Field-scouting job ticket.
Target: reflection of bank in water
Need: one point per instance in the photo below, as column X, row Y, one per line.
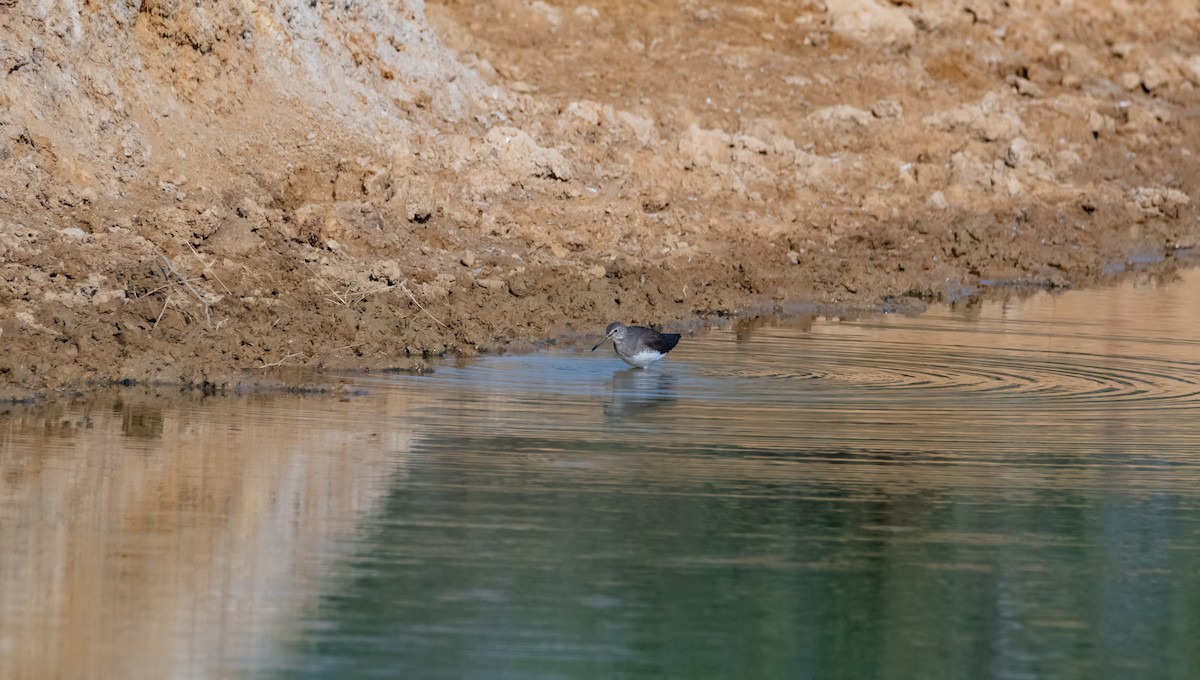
column 161, row 511
column 635, row 392
column 140, row 421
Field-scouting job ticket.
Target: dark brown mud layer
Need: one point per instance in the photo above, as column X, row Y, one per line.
column 193, row 193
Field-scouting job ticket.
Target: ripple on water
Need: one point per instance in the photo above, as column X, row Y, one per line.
column 984, row 378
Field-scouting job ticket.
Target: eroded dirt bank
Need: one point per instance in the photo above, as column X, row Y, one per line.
column 188, row 192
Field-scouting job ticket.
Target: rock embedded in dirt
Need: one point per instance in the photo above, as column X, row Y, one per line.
column 491, row 284
column 1130, row 80
column 887, row 108
column 1190, row 68
column 870, row 22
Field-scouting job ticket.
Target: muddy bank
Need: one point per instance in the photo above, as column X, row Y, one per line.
column 192, row 193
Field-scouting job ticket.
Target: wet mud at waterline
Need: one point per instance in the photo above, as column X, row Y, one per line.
column 199, row 194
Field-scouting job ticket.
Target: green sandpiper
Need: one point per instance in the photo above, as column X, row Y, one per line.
column 638, row 346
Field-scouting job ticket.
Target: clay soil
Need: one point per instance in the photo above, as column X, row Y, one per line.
column 195, row 192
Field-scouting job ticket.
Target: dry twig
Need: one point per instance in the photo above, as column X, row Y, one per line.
column 419, row 305
column 321, row 279
column 170, row 270
column 208, row 268
column 164, row 311
column 349, row 298
column 280, row 362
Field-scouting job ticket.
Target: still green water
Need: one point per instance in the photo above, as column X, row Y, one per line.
column 1007, row 490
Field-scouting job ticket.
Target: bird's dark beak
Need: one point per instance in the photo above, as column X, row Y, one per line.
column 602, row 341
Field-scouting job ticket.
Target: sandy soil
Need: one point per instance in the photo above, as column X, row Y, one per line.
column 191, row 193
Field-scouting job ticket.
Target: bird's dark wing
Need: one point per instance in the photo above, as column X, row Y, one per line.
column 663, row 342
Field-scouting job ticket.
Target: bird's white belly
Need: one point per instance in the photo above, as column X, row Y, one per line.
column 642, row 358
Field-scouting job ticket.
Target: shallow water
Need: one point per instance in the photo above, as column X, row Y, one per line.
column 1009, row 490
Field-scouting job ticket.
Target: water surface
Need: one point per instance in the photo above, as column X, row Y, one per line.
column 1003, row 490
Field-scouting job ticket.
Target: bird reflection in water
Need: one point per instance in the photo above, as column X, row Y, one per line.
column 637, row 392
